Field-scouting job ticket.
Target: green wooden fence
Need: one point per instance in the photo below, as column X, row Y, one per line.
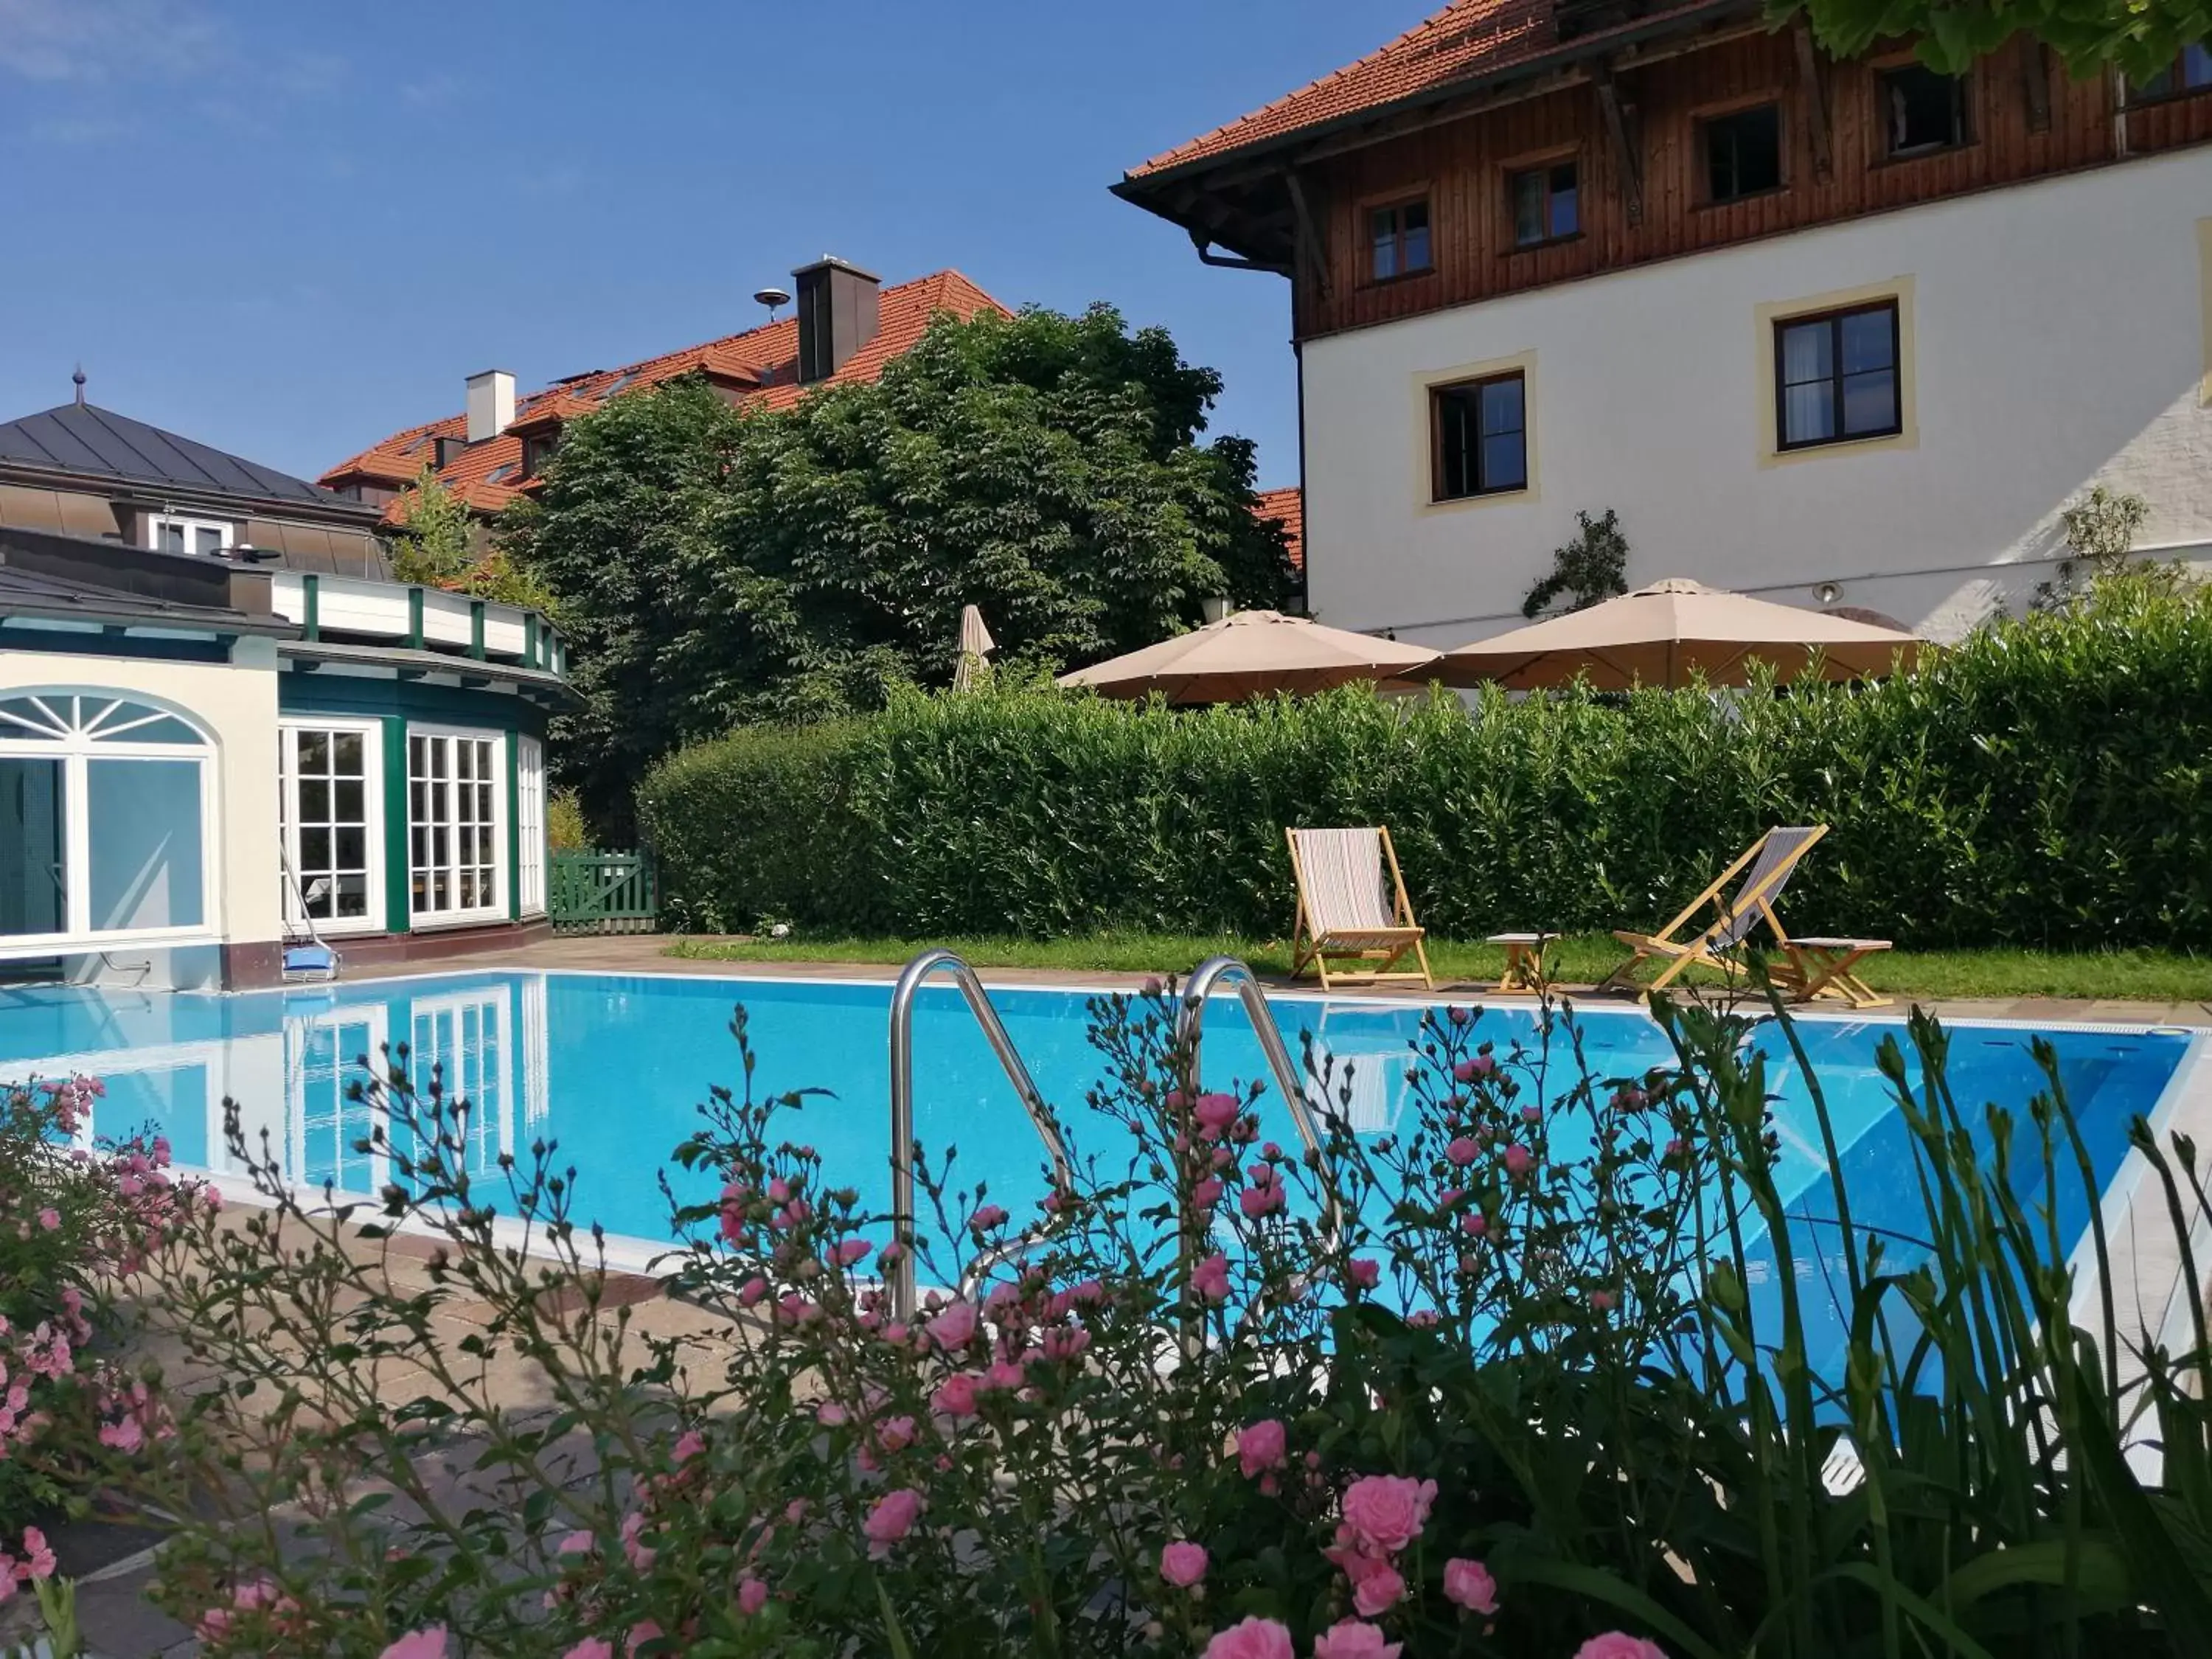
column 599, row 892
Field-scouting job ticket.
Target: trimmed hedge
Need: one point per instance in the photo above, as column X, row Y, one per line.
column 2047, row 782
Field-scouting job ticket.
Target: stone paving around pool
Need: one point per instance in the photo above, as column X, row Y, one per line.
column 647, row 953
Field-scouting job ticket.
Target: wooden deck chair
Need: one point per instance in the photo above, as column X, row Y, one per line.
column 1351, row 908
column 1812, row 967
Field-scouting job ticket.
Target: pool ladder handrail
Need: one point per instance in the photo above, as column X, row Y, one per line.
column 900, row 1280
column 1190, row 1029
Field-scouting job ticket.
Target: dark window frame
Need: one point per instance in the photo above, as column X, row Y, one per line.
column 1547, row 171
column 1396, row 206
column 1705, row 123
column 1834, row 318
column 1472, row 390
column 537, row 449
column 1962, row 93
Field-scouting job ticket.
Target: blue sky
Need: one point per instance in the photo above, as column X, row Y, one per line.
column 289, row 228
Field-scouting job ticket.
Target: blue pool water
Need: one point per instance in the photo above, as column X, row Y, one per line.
column 613, row 1068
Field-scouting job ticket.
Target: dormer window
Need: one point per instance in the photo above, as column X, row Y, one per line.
column 537, row 449
column 168, row 532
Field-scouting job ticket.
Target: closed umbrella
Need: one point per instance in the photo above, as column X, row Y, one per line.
column 1252, row 654
column 976, row 644
column 1665, row 634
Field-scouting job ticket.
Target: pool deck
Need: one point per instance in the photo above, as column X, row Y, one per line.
column 645, row 953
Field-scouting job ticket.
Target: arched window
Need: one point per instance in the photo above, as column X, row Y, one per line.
column 105, row 830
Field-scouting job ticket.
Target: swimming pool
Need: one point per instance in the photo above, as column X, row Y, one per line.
column 612, row 1068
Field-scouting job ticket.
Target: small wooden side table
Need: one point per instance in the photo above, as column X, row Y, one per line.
column 1525, row 969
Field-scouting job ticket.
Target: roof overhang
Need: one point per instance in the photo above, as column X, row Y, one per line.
column 537, row 684
column 1240, row 198
column 219, row 503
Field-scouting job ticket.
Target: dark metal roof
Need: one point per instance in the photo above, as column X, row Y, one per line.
column 32, row 593
column 85, row 438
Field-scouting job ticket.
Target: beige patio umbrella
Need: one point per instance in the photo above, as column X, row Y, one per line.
column 1252, row 654
column 976, row 644
column 1663, row 633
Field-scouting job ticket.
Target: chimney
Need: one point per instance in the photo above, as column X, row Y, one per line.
column 491, row 404
column 837, row 315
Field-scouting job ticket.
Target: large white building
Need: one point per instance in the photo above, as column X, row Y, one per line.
column 1840, row 334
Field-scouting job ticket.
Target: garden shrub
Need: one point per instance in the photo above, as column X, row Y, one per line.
column 1544, row 1388
column 2043, row 783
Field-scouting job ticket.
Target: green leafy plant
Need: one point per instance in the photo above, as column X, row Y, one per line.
column 1562, row 1358
column 716, row 566
column 2141, row 39
column 440, row 543
column 1591, row 568
column 2011, row 791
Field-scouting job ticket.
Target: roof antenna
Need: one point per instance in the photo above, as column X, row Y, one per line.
column 78, row 379
column 773, row 298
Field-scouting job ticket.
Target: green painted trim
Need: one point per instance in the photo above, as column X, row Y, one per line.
column 476, row 629
column 311, row 589
column 414, row 619
column 529, row 639
column 514, row 827
column 398, row 919
column 349, row 693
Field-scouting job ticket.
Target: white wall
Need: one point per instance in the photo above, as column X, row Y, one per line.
column 2059, row 337
column 235, row 703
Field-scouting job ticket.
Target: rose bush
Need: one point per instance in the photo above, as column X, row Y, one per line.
column 76, row 1220
column 1526, row 1376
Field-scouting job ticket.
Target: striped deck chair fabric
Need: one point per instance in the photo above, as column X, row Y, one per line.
column 1353, row 909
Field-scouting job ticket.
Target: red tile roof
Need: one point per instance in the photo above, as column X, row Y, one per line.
column 1466, row 39
column 1287, row 507
column 487, row 476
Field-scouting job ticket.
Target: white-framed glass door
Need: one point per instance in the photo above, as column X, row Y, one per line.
column 456, row 825
column 530, row 825
column 107, row 825
column 332, row 802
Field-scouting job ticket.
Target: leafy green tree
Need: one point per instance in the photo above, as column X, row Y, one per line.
column 2140, row 37
column 716, row 566
column 439, row 544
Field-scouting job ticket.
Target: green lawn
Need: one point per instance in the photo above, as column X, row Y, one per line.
column 2137, row 975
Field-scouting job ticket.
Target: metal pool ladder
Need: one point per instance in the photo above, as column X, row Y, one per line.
column 910, row 979
column 1214, row 973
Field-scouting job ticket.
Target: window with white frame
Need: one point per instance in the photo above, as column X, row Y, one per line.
column 332, row 820
column 107, row 831
column 169, row 532
column 456, row 820
column 530, row 825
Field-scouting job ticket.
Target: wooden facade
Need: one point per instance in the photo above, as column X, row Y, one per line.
column 1641, row 165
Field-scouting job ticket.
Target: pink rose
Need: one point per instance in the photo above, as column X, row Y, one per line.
column 1215, row 1112
column 1518, row 1159
column 590, row 1648
column 891, row 1519
column 1182, row 1564
column 689, row 1445
column 50, row 1219
column 1474, row 1066
column 1602, row 1301
column 852, row 1251
column 753, row 1596
column 955, row 1327
column 1256, row 1201
column 1386, row 1512
column 1209, row 1280
column 955, row 1397
column 418, row 1645
column 640, row 1634
column 1351, row 1639
column 1206, row 1195
column 1260, row 1447
column 990, row 1216
column 1462, row 1151
column 1619, row 1644
column 1366, row 1271
column 1468, row 1584
column 38, row 1557
column 1251, row 1638
column 1377, row 1590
